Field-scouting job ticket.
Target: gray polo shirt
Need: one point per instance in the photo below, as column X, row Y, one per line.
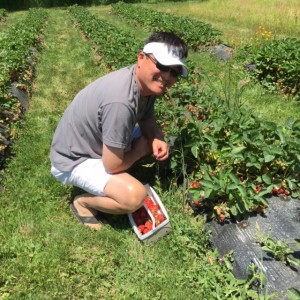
column 104, row 112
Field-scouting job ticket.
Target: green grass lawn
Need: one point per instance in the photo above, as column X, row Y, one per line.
column 46, row 254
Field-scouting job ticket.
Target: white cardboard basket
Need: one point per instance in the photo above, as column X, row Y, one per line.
column 158, row 231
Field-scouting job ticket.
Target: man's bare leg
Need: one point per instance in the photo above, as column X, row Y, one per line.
column 124, row 194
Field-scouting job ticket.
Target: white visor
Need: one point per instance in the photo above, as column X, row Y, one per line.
column 168, row 56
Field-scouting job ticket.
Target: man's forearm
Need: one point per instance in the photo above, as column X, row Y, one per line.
column 130, row 157
column 150, row 130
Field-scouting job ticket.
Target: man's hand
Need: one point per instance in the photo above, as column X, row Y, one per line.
column 160, row 149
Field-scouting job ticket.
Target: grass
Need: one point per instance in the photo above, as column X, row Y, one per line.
column 230, row 77
column 239, row 19
column 45, row 253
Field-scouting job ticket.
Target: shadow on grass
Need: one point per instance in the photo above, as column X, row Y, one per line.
column 118, row 222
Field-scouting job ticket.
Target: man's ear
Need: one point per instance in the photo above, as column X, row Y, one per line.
column 140, row 58
column 141, row 55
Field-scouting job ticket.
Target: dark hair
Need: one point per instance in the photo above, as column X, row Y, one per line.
column 171, row 39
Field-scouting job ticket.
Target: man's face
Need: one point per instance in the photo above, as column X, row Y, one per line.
column 151, row 80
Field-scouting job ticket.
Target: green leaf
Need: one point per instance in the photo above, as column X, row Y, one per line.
column 246, row 204
column 293, row 294
column 271, row 126
column 231, row 186
column 233, row 210
column 209, row 184
column 267, row 179
column 234, row 178
column 263, row 200
column 252, row 294
column 207, row 193
column 292, row 185
column 268, row 157
column 296, row 125
column 242, row 191
column 195, row 150
column 239, row 208
column 293, row 261
column 281, row 135
column 173, row 164
column 238, row 150
column 206, row 176
column 252, row 164
column 289, row 122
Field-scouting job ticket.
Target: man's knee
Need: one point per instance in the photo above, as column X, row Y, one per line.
column 136, row 197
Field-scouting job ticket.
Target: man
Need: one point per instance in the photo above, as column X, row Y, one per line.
column 97, row 139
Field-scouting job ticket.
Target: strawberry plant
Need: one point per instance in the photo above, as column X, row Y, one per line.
column 111, row 42
column 16, row 65
column 277, row 66
column 3, row 14
column 237, row 157
column 278, row 249
column 195, row 33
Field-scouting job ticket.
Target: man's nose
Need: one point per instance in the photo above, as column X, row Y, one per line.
column 166, row 74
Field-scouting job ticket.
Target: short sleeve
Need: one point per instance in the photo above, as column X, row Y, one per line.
column 116, row 121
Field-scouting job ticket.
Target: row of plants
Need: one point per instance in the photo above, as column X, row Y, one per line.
column 26, row 4
column 197, row 34
column 277, row 65
column 102, row 33
column 236, row 158
column 3, row 14
column 17, row 59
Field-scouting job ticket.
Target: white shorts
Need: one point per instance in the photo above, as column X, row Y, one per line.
column 90, row 175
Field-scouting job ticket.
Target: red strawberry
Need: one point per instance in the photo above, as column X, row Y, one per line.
column 258, row 188
column 161, row 218
column 146, row 230
column 197, row 203
column 221, row 218
column 195, row 184
column 148, row 225
column 141, row 228
column 148, row 201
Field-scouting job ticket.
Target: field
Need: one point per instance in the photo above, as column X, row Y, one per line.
column 240, row 19
column 46, row 254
